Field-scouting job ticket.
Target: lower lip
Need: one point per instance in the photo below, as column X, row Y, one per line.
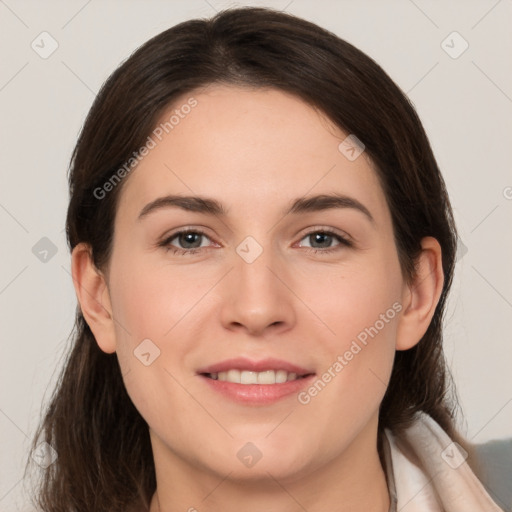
column 258, row 394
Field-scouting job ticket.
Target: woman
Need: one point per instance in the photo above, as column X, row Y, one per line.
column 262, row 247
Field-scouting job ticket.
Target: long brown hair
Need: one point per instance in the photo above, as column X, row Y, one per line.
column 104, row 459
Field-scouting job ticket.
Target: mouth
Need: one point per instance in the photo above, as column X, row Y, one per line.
column 265, row 378
column 256, row 382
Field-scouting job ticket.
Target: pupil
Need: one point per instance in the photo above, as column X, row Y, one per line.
column 186, row 239
column 322, row 237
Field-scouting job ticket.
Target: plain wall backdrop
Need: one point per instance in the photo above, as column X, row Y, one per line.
column 451, row 58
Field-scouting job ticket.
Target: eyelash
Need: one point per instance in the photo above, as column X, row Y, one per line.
column 343, row 242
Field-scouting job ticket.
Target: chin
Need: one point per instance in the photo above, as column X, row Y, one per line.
column 263, row 458
column 284, row 468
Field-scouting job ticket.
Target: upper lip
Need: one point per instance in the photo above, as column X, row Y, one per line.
column 242, row 363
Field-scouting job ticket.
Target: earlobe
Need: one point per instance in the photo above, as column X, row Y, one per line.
column 420, row 298
column 93, row 295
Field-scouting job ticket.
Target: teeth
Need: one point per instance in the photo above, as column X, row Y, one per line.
column 248, row 377
column 281, row 376
column 268, row 377
column 232, row 376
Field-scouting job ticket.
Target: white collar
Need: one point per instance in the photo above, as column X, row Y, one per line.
column 427, row 472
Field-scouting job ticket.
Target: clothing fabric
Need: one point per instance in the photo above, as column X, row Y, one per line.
column 427, row 472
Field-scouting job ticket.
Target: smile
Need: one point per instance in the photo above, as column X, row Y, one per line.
column 252, row 383
column 248, row 377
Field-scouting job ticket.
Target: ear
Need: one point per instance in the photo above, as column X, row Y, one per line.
column 93, row 295
column 420, row 297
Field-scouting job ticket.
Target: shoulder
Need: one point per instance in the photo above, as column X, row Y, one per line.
column 429, row 467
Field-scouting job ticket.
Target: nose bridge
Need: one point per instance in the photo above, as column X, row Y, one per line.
column 255, row 295
column 253, row 271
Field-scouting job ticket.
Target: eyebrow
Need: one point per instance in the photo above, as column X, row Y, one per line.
column 213, row 207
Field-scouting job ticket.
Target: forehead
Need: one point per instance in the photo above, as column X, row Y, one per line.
column 248, row 148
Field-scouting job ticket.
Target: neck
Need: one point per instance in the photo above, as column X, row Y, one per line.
column 355, row 481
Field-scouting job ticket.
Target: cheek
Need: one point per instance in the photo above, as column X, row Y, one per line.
column 150, row 299
column 359, row 301
column 361, row 308
column 156, row 309
column 154, row 312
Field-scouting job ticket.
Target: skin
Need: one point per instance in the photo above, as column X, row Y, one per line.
column 256, row 151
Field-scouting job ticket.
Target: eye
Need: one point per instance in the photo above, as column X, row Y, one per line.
column 189, row 241
column 321, row 241
column 192, row 241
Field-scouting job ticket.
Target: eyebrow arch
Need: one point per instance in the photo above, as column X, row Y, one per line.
column 188, row 203
column 327, row 202
column 213, row 207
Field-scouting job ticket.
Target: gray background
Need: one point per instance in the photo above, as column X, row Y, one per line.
column 465, row 104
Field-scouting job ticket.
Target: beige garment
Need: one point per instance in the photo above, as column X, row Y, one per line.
column 427, row 472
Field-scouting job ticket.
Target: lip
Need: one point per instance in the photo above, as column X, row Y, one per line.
column 256, row 394
column 243, row 363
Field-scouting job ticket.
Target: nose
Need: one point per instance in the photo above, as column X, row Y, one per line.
column 257, row 297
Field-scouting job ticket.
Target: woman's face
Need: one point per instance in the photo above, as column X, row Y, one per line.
column 290, row 272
